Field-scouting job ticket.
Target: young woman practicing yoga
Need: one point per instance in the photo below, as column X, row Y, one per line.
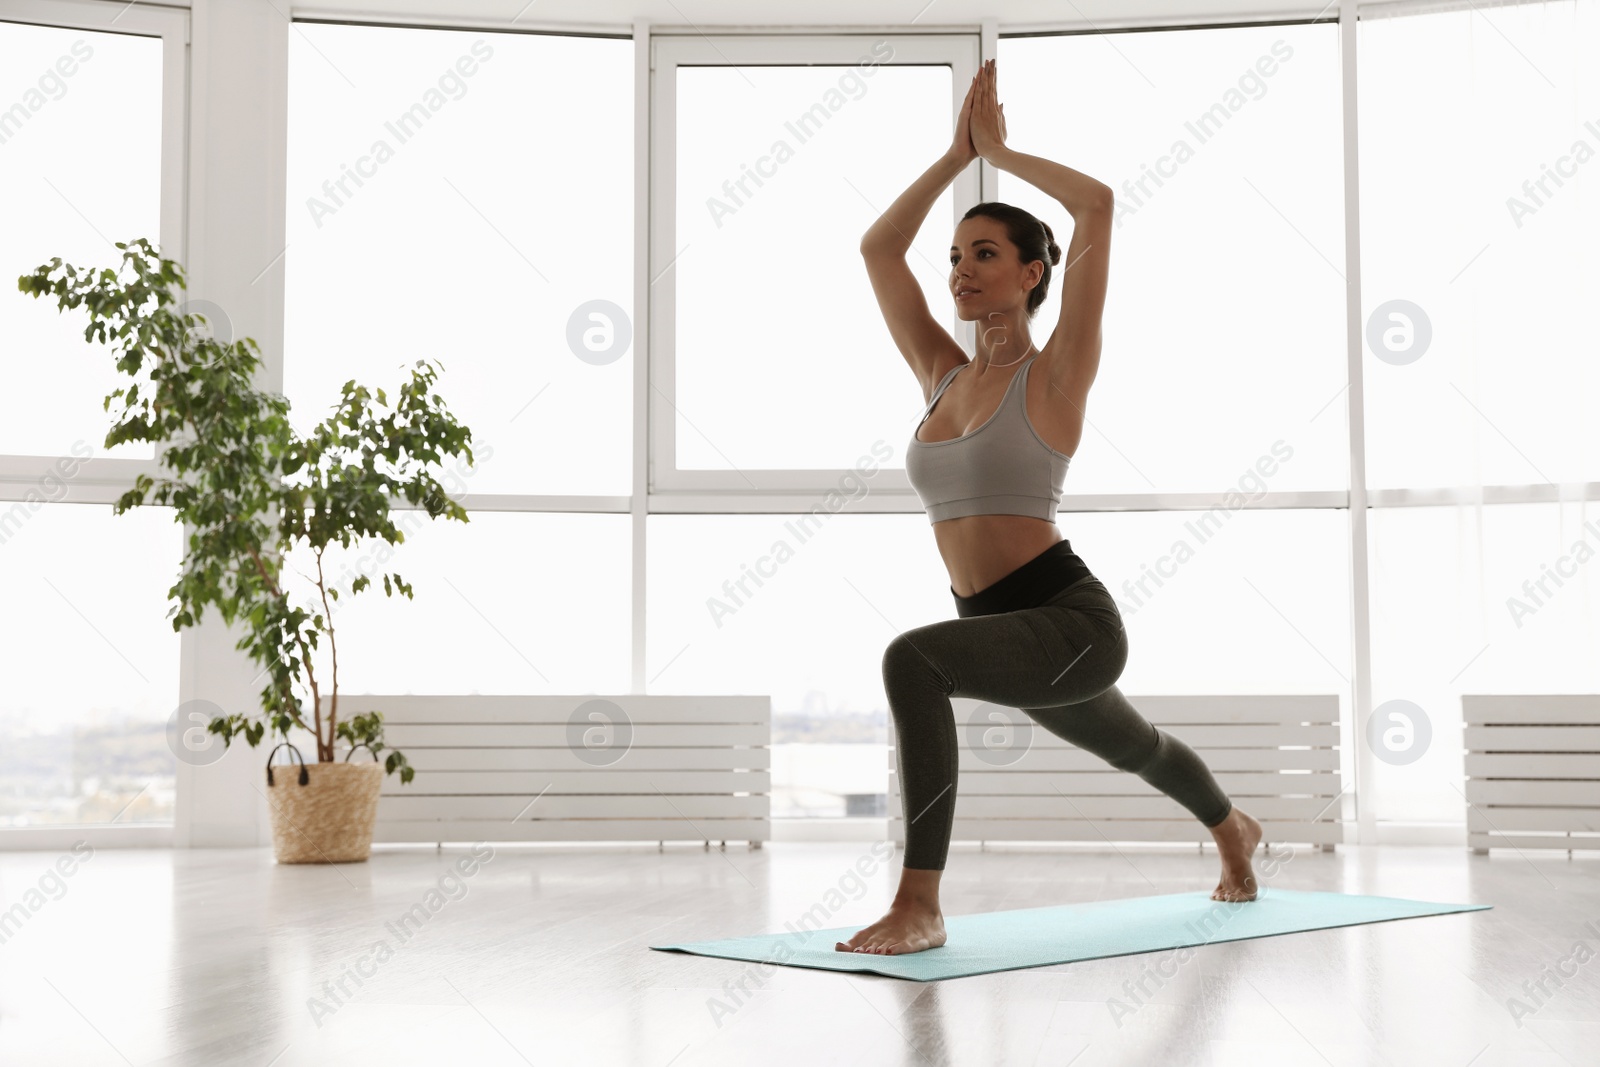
column 1036, row 630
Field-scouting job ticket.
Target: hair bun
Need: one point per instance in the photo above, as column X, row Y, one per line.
column 1051, row 248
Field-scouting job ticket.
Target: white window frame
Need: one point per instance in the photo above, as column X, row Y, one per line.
column 960, row 52
column 662, row 48
column 101, row 480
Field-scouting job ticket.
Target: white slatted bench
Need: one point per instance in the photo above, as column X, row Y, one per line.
column 1533, row 770
column 508, row 768
column 1056, row 791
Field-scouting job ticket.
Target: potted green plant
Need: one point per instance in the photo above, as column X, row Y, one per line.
column 250, row 489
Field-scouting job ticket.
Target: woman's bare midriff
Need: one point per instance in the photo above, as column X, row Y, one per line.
column 979, row 550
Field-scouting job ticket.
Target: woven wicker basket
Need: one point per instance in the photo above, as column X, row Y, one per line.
column 329, row 818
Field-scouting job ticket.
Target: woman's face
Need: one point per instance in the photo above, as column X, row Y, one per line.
column 986, row 273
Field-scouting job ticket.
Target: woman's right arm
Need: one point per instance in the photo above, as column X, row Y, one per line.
column 897, row 227
column 926, row 346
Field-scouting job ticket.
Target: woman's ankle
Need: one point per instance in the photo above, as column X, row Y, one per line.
column 916, row 906
column 918, row 891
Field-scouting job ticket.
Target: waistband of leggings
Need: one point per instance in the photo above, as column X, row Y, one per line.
column 1030, row 585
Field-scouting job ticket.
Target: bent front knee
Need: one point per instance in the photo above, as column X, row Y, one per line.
column 906, row 664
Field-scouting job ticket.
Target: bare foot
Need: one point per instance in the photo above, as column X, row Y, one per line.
column 904, row 929
column 1237, row 837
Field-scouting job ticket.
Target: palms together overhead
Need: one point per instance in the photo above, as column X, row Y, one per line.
column 988, row 118
column 981, row 126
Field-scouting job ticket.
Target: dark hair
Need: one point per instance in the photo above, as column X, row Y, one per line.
column 1032, row 237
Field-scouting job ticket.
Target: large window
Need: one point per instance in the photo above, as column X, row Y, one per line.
column 773, row 367
column 1224, row 318
column 772, row 370
column 1226, row 365
column 467, row 197
column 91, row 153
column 1495, row 599
column 780, row 354
column 797, row 607
column 801, row 606
column 432, row 213
column 1478, row 220
column 91, row 664
column 506, row 602
column 73, row 104
column 1477, row 226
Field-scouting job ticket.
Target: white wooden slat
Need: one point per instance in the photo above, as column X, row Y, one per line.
column 1530, row 792
column 559, row 759
column 641, row 830
column 1012, row 782
column 1529, row 765
column 1155, row 806
column 1218, row 759
column 1197, row 736
column 1319, row 833
column 1572, row 709
column 1532, row 841
column 1489, row 820
column 1243, row 735
column 1533, row 738
column 547, row 807
column 532, row 783
column 1181, row 712
column 550, row 735
column 500, row 708
column 1179, row 709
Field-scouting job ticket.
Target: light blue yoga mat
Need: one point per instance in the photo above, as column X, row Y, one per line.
column 1064, row 933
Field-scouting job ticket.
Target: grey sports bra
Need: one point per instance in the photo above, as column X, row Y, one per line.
column 1002, row 468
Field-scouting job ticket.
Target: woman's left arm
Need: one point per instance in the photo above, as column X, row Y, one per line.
column 1076, row 191
column 1072, row 354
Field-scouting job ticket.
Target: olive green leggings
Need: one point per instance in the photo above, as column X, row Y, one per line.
column 1058, row 662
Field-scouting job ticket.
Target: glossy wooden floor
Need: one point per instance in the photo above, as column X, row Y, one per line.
column 539, row 957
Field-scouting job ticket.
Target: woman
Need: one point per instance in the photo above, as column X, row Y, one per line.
column 1036, row 630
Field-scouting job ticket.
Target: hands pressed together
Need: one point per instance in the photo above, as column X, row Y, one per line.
column 981, row 126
